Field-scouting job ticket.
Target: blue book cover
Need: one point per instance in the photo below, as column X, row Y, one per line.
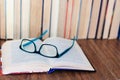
column 119, row 33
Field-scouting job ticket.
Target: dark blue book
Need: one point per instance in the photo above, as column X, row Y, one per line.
column 119, row 33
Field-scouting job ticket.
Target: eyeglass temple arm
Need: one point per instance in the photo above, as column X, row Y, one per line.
column 40, row 37
column 68, row 48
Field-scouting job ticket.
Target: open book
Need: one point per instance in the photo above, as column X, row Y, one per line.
column 14, row 60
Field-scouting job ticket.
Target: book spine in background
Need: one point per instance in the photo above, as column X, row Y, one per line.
column 25, row 18
column 54, row 20
column 42, row 16
column 62, row 17
column 108, row 19
column 46, row 19
column 94, row 19
column 70, row 5
column 50, row 21
column 98, row 22
column 115, row 22
column 102, row 17
column 78, row 22
column 35, row 17
column 2, row 22
column 75, row 18
column 17, row 19
column 84, row 19
column 66, row 16
column 9, row 18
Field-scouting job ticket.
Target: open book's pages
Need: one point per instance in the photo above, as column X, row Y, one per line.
column 14, row 60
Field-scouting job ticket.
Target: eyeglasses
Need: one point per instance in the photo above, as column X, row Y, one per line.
column 46, row 50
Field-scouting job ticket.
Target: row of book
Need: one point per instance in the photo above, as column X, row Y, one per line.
column 85, row 19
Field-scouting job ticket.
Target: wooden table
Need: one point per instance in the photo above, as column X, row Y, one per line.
column 103, row 54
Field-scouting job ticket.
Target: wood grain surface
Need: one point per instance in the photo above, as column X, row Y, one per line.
column 104, row 55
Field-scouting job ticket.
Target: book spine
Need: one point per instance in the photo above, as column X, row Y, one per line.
column 70, row 5
column 35, row 17
column 17, row 20
column 102, row 17
column 50, row 18
column 94, row 19
column 54, row 20
column 3, row 17
column 84, row 19
column 25, row 16
column 115, row 22
column 98, row 22
column 46, row 19
column 42, row 16
column 62, row 18
column 66, row 16
column 78, row 22
column 108, row 18
column 9, row 18
column 75, row 18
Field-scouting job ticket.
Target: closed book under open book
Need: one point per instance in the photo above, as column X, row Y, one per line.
column 15, row 60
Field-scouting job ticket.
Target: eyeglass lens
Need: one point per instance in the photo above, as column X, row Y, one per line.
column 46, row 50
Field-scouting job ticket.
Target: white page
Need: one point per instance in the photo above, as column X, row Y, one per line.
column 74, row 58
column 16, row 60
